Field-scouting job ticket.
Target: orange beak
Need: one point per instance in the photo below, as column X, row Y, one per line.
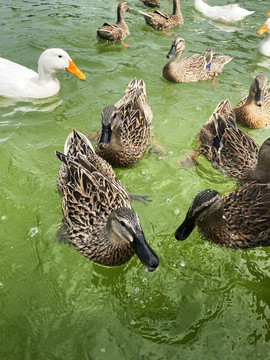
column 72, row 68
column 268, row 14
column 263, row 29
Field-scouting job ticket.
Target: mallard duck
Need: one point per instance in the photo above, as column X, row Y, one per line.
column 193, row 68
column 231, row 150
column 239, row 219
column 264, row 46
column 126, row 127
column 162, row 21
column 20, row 82
column 96, row 208
column 254, row 110
column 226, row 13
column 151, row 3
column 118, row 31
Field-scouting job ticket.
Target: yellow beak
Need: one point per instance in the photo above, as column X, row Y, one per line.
column 72, row 68
column 263, row 29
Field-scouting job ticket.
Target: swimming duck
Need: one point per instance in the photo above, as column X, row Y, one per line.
column 264, row 46
column 126, row 127
column 118, row 31
column 225, row 13
column 231, row 150
column 254, row 110
column 17, row 81
column 193, row 68
column 239, row 219
column 96, row 208
column 161, row 20
column 151, row 3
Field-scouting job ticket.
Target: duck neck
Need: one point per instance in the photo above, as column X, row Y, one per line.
column 46, row 74
column 120, row 15
column 176, row 7
column 177, row 57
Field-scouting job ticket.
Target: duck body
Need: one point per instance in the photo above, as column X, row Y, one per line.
column 96, row 208
column 193, row 68
column 126, row 127
column 151, row 3
column 264, row 46
column 118, row 31
column 254, row 110
column 227, row 13
column 18, row 81
column 161, row 20
column 231, row 150
column 239, row 219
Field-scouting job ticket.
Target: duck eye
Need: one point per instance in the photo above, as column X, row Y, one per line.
column 122, row 223
column 60, row 56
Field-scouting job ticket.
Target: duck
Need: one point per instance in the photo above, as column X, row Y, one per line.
column 192, row 68
column 20, row 82
column 264, row 46
column 126, row 127
column 118, row 31
column 97, row 212
column 253, row 111
column 151, row 3
column 238, row 219
column 161, row 20
column 231, row 150
column 227, row 13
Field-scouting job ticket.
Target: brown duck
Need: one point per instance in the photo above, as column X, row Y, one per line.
column 97, row 212
column 161, row 20
column 231, row 150
column 126, row 127
column 118, row 31
column 239, row 219
column 254, row 110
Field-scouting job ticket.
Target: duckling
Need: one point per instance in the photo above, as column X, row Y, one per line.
column 193, row 68
column 126, row 127
column 162, row 21
column 254, row 110
column 96, row 208
column 231, row 150
column 264, row 46
column 118, row 31
column 151, row 3
column 239, row 219
column 225, row 13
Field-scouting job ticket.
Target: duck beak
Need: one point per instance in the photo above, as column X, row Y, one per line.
column 171, row 52
column 259, row 98
column 72, row 68
column 263, row 29
column 185, row 229
column 146, row 255
column 105, row 137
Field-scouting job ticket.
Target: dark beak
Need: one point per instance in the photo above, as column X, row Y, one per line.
column 105, row 137
column 171, row 52
column 185, row 229
column 147, row 256
column 259, row 98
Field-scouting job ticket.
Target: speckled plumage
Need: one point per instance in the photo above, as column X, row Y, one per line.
column 161, row 20
column 231, row 150
column 254, row 110
column 96, row 208
column 151, row 3
column 239, row 219
column 126, row 127
column 118, row 31
column 192, row 68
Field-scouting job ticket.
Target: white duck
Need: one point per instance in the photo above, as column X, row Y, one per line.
column 226, row 13
column 17, row 81
column 264, row 46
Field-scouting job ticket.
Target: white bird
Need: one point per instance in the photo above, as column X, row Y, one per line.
column 264, row 46
column 226, row 13
column 18, row 81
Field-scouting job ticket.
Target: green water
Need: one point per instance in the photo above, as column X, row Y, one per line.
column 203, row 301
